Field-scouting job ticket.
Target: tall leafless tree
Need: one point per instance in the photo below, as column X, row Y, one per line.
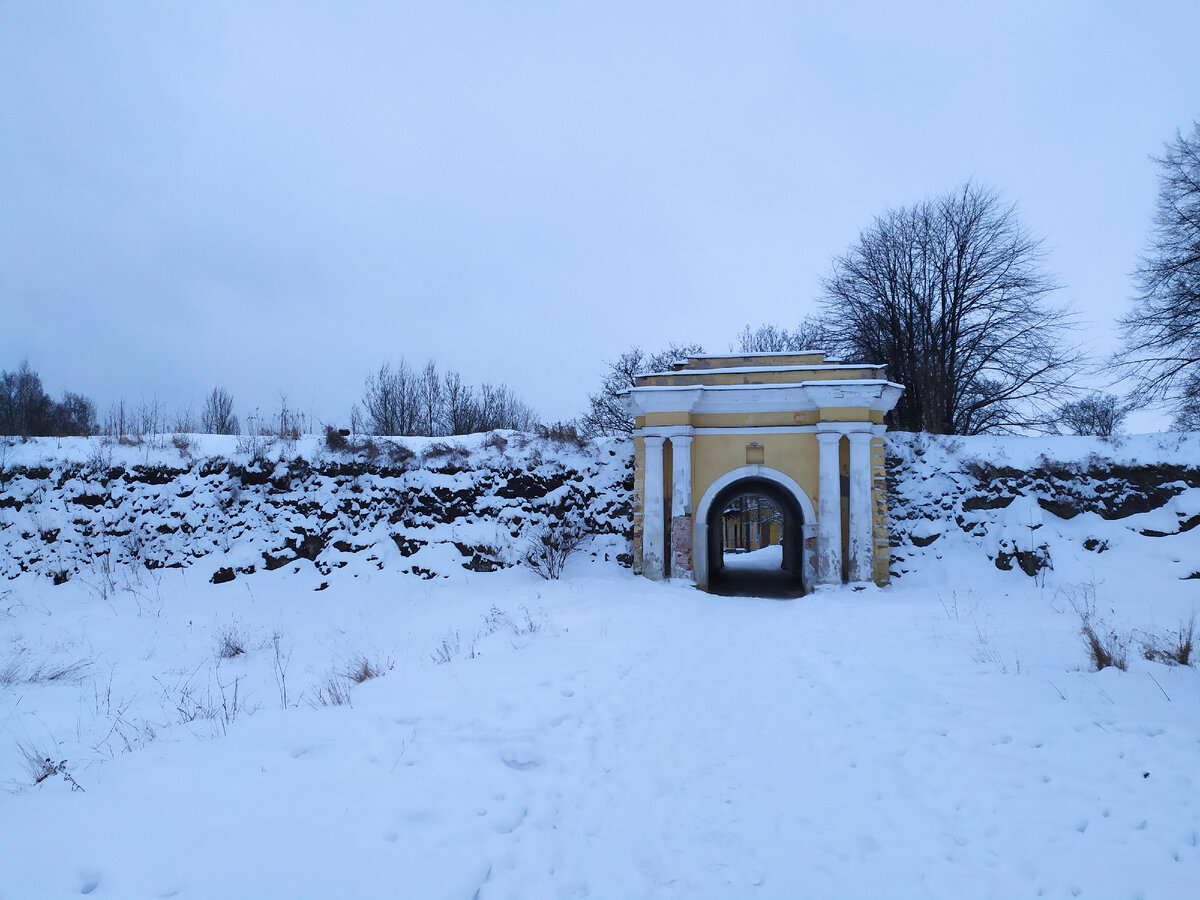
column 606, row 413
column 218, row 417
column 400, row 401
column 429, row 401
column 949, row 293
column 390, row 400
column 1162, row 332
column 458, row 407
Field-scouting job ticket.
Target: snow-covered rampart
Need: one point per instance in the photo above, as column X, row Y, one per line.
column 1045, row 504
column 231, row 507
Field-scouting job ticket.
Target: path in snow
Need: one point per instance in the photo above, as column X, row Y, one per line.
column 665, row 743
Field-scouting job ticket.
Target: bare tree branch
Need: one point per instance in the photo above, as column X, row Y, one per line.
column 950, row 295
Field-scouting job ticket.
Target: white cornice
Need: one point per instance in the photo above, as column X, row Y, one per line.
column 807, row 396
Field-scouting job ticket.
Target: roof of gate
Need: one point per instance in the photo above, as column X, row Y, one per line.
column 759, row 368
column 761, row 382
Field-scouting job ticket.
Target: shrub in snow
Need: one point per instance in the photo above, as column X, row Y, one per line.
column 1105, row 647
column 363, row 669
column 551, row 545
column 39, row 767
column 335, row 439
column 230, row 642
column 334, row 691
column 1176, row 648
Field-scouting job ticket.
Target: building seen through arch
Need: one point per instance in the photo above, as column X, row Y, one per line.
column 752, row 451
column 750, row 522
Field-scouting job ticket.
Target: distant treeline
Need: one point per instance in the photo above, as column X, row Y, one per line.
column 396, row 400
column 26, row 409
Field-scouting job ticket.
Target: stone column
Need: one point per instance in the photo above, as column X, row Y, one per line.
column 681, row 506
column 862, row 541
column 653, row 551
column 829, row 509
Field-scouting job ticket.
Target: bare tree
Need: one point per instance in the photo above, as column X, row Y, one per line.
column 150, row 416
column 810, row 334
column 459, row 410
column 429, row 400
column 950, row 295
column 606, row 411
column 1097, row 414
column 499, row 407
column 118, row 421
column 218, row 417
column 75, row 415
column 390, row 400
column 1162, row 332
column 397, row 401
column 27, row 410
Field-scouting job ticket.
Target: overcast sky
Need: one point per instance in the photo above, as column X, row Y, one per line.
column 280, row 197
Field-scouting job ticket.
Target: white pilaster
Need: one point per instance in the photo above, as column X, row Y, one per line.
column 681, row 475
column 829, row 509
column 862, row 544
column 653, row 550
column 681, row 506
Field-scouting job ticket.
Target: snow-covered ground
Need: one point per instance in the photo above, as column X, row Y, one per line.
column 604, row 736
column 760, row 560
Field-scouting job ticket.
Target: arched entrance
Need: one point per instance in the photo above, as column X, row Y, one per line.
column 796, row 572
column 784, row 426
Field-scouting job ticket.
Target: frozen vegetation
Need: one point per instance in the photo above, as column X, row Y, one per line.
column 281, row 671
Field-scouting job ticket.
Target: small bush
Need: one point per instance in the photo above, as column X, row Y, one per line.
column 398, row 454
column 495, row 441
column 230, row 642
column 551, row 545
column 561, row 433
column 335, row 438
column 1105, row 649
column 448, row 649
column 14, row 670
column 440, row 450
column 1176, row 648
column 335, row 691
column 363, row 669
column 1185, row 642
column 38, row 766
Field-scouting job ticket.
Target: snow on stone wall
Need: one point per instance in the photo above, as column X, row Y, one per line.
column 1031, row 504
column 82, row 507
column 77, row 508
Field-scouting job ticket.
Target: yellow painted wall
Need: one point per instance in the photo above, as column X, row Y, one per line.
column 715, row 454
column 666, row 418
column 782, row 359
column 755, row 420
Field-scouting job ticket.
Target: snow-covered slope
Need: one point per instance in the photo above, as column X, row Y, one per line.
column 600, row 735
column 1041, row 505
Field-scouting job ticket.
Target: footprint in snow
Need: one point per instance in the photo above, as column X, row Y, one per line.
column 507, row 821
column 520, row 757
column 88, row 882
